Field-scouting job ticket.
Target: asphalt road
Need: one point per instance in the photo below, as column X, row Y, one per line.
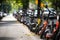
column 11, row 29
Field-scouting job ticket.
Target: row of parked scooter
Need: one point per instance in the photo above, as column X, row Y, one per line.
column 47, row 26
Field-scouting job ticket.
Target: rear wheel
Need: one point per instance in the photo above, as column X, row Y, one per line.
column 0, row 18
column 58, row 36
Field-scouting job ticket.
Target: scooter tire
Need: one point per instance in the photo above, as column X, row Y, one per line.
column 0, row 18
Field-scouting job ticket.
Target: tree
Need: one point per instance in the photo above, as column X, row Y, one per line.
column 39, row 8
column 5, row 6
column 55, row 3
column 1, row 3
column 25, row 5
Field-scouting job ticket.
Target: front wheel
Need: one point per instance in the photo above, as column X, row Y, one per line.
column 58, row 36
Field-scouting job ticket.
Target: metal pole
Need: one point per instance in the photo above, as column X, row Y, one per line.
column 39, row 2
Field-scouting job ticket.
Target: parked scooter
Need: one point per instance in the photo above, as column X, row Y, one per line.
column 31, row 17
column 20, row 14
column 50, row 29
column 47, row 28
column 33, row 22
column 1, row 15
column 56, row 31
column 28, row 15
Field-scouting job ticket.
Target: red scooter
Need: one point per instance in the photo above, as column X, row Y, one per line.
column 53, row 32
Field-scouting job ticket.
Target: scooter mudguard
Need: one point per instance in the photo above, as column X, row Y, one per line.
column 56, row 28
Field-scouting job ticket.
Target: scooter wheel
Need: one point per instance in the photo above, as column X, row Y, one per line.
column 0, row 18
column 58, row 36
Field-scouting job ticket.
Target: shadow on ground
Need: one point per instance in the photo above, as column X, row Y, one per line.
column 7, row 23
column 6, row 38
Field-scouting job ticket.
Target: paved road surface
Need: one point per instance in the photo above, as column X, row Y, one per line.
column 10, row 29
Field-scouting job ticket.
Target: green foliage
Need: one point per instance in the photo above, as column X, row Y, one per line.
column 10, row 4
column 25, row 4
column 5, row 6
column 15, row 4
column 32, row 1
column 55, row 3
